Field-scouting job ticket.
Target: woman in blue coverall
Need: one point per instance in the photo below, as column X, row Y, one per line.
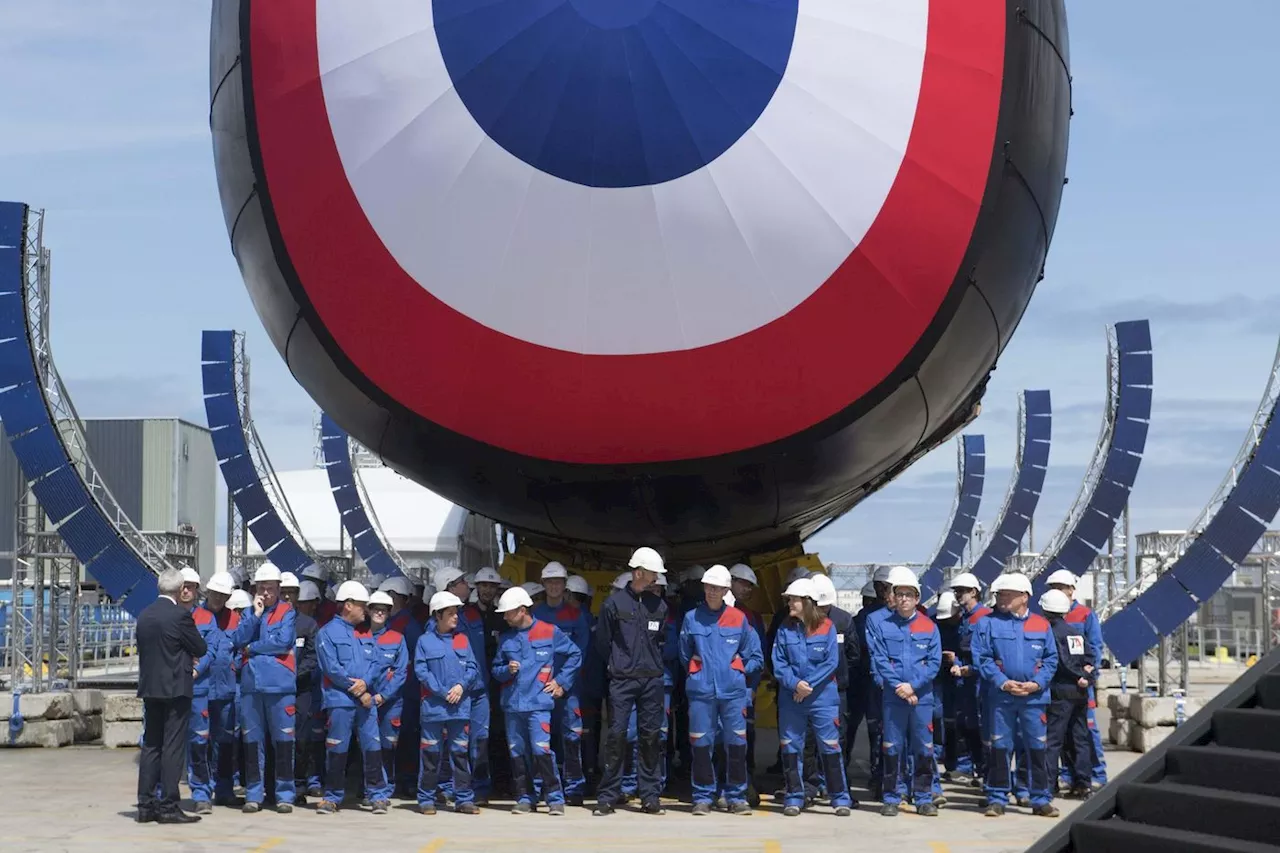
column 720, row 652
column 906, row 653
column 805, row 657
column 390, row 671
column 448, row 676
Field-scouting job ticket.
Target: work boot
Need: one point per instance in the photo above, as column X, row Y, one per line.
column 284, row 808
column 426, row 808
column 521, row 808
column 574, row 800
column 889, row 810
column 654, row 807
column 251, row 808
column 994, row 810
column 722, row 805
column 791, row 811
column 468, row 808
column 927, row 810
column 1047, row 810
column 602, row 810
column 381, row 806
column 315, row 791
column 740, row 808
column 556, row 809
column 700, row 809
column 175, row 815
column 204, row 807
column 1024, row 802
column 1079, row 792
column 939, row 800
column 326, row 807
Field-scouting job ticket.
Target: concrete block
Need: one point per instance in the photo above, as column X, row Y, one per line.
column 88, row 727
column 121, row 733
column 1120, row 732
column 1143, row 739
column 1152, row 711
column 88, row 701
column 6, row 706
column 1103, row 718
column 1118, row 705
column 121, row 706
column 46, row 733
column 46, row 706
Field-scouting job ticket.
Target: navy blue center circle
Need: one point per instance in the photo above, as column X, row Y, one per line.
column 616, row 93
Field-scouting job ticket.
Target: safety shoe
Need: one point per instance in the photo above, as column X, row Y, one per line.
column 426, row 808
column 791, row 811
column 315, row 791
column 889, row 810
column 574, row 800
column 556, row 809
column 204, row 807
column 381, row 806
column 740, row 808
column 843, row 811
column 927, row 810
column 654, row 807
column 251, row 808
column 366, row 803
column 1047, row 810
column 228, row 802
column 1024, row 802
column 326, row 807
column 602, row 810
column 521, row 808
column 468, row 808
column 700, row 809
column 722, row 805
column 994, row 810
column 284, row 808
column 1079, row 793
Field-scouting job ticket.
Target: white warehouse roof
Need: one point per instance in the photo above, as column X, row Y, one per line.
column 414, row 519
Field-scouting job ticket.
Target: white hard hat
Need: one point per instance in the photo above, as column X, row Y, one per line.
column 692, row 574
column 316, row 571
column 511, row 599
column 730, row 600
column 266, row 572
column 869, row 590
column 189, row 575
column 1063, row 577
column 399, row 584
column 649, row 560
column 717, row 576
column 532, row 588
column 966, row 580
column 288, row 580
column 309, row 591
column 902, row 576
column 1055, row 601
column 488, row 575
column 352, row 591
column 622, row 580
column 445, row 577
column 221, row 582
column 797, row 573
column 554, row 570
column 441, row 600
column 824, row 591
column 946, row 604
column 743, row 572
column 578, row 584
column 882, row 574
column 801, row 588
column 661, row 581
column 381, row 597
column 1013, row 581
column 239, row 600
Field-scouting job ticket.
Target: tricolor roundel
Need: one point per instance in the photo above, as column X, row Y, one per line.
column 625, row 231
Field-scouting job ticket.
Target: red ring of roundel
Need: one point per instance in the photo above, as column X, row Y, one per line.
column 759, row 387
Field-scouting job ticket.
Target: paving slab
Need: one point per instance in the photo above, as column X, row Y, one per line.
column 81, row 798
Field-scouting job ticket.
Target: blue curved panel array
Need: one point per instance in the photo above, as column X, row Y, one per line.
column 1028, row 480
column 1207, row 564
column 222, row 407
column 970, row 479
column 1132, row 416
column 38, row 446
column 355, row 518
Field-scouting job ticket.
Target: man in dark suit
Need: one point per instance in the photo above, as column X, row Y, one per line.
column 169, row 645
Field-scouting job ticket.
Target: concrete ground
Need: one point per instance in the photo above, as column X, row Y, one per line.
column 81, row 799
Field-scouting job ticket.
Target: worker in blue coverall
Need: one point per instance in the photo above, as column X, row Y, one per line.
column 223, row 693
column 744, row 589
column 630, row 637
column 213, row 683
column 719, row 652
column 906, row 654
column 536, row 664
column 402, row 768
column 591, row 680
column 266, row 633
column 1015, row 653
column 1065, row 582
column 805, row 659
column 310, row 715
column 971, row 759
column 874, row 707
column 345, row 651
column 389, row 679
column 449, row 677
column 471, row 621
column 566, row 718
column 1069, row 694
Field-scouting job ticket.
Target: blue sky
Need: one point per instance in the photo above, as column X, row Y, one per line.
column 1171, row 205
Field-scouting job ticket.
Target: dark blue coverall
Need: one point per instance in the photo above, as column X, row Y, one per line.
column 1082, row 615
column 971, row 757
column 873, row 701
column 1069, row 702
column 309, row 753
column 390, row 671
column 213, row 678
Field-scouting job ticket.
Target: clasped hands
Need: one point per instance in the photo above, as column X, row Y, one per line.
column 905, row 692
column 1020, row 688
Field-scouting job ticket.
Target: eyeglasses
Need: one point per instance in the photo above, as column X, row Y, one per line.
column 909, row 593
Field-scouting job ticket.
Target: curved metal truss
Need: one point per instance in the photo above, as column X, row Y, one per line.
column 1030, row 464
column 251, row 481
column 1168, row 591
column 46, row 433
column 356, row 510
column 971, row 472
column 1112, row 471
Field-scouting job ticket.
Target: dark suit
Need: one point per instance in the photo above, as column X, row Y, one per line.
column 168, row 644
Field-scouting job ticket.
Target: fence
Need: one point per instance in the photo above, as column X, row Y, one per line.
column 107, row 642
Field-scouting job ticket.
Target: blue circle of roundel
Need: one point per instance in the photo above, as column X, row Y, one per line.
column 615, row 93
